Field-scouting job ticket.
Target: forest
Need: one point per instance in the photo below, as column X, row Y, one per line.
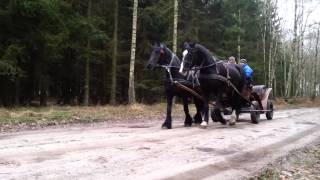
column 94, row 52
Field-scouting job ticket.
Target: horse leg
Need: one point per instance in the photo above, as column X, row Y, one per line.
column 197, row 117
column 233, row 118
column 237, row 114
column 236, row 111
column 217, row 111
column 168, row 122
column 204, row 123
column 188, row 120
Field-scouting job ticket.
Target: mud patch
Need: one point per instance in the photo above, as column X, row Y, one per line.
column 101, row 160
column 6, row 137
column 307, row 123
column 267, row 135
column 217, row 151
column 8, row 163
column 139, row 126
column 45, row 156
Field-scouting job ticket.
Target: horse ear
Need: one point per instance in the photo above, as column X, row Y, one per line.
column 193, row 44
column 186, row 45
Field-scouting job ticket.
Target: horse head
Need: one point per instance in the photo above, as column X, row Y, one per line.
column 189, row 57
column 195, row 55
column 157, row 56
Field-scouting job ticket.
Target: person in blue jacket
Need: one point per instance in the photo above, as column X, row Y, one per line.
column 247, row 70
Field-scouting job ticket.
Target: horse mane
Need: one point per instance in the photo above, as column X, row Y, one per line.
column 176, row 59
column 207, row 54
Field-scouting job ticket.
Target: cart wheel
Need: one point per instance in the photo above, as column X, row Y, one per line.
column 255, row 115
column 269, row 114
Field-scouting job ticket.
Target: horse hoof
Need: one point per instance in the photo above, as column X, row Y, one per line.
column 232, row 123
column 233, row 119
column 197, row 119
column 223, row 121
column 197, row 122
column 204, row 124
column 188, row 121
column 166, row 126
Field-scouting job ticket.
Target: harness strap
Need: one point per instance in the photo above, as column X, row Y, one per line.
column 191, row 91
column 226, row 80
column 184, row 82
column 168, row 68
column 228, row 74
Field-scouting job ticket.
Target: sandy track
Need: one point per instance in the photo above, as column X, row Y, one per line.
column 144, row 151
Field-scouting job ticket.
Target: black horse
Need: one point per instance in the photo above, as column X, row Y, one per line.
column 215, row 81
column 162, row 56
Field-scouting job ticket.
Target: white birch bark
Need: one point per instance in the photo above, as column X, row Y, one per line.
column 131, row 90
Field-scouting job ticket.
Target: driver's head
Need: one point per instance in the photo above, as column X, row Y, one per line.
column 232, row 60
column 243, row 61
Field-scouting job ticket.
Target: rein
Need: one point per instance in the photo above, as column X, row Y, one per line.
column 174, row 80
column 168, row 68
column 226, row 80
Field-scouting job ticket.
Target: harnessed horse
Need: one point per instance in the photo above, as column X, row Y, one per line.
column 218, row 80
column 162, row 56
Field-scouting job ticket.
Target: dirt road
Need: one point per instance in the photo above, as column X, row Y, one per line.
column 141, row 150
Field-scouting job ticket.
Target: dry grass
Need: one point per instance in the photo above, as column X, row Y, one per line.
column 296, row 103
column 11, row 118
column 56, row 115
column 299, row 164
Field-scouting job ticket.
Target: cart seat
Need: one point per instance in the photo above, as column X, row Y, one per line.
column 259, row 89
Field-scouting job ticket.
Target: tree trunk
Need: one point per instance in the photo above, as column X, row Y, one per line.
column 43, row 88
column 17, row 90
column 264, row 42
column 270, row 58
column 285, row 69
column 175, row 26
column 274, row 62
column 131, row 91
column 87, row 66
column 316, row 64
column 239, row 37
column 114, row 55
column 293, row 47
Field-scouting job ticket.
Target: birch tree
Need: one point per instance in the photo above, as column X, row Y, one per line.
column 239, row 35
column 131, row 91
column 293, row 49
column 316, row 59
column 175, row 26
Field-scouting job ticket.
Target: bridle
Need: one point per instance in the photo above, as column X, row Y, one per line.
column 168, row 67
column 197, row 68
